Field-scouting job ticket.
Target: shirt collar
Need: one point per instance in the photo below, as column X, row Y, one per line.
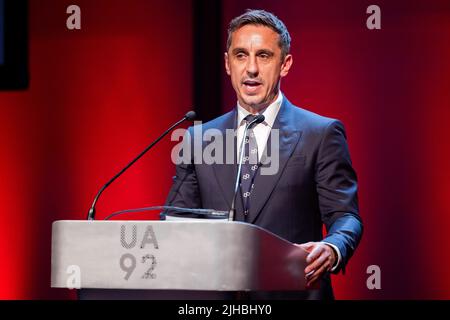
column 270, row 112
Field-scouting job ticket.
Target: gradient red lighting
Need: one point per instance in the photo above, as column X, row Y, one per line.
column 100, row 95
column 97, row 97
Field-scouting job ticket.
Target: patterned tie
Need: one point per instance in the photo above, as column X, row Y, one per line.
column 249, row 165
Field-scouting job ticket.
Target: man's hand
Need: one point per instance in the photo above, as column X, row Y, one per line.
column 321, row 258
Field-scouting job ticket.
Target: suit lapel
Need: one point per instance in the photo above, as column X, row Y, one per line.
column 288, row 139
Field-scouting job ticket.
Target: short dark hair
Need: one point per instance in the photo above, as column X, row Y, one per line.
column 263, row 18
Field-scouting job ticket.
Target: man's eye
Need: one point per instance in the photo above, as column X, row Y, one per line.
column 240, row 55
column 264, row 56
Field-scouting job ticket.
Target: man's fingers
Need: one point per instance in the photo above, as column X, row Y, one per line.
column 306, row 246
column 316, row 275
column 316, row 264
column 319, row 260
column 316, row 252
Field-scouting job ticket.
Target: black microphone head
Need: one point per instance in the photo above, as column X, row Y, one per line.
column 259, row 118
column 191, row 115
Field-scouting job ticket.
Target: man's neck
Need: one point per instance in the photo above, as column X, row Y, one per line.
column 258, row 108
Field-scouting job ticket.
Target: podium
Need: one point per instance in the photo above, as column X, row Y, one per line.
column 204, row 259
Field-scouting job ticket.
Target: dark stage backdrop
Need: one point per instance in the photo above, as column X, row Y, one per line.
column 99, row 95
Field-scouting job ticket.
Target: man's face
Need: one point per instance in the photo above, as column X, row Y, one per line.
column 255, row 66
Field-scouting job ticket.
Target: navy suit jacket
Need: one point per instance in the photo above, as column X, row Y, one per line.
column 315, row 185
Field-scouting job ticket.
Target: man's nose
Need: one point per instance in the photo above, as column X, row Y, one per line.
column 252, row 67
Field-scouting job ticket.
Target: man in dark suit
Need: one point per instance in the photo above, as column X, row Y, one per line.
column 312, row 182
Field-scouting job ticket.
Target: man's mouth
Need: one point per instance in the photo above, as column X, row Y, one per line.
column 251, row 85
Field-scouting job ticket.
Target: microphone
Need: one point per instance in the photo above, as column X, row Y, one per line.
column 258, row 119
column 188, row 116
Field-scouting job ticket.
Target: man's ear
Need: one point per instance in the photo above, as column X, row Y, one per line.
column 227, row 63
column 286, row 65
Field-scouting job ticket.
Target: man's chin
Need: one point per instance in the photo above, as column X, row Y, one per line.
column 254, row 102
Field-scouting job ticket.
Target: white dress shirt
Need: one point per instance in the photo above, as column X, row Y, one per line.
column 262, row 131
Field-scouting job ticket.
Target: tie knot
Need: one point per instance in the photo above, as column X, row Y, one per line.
column 249, row 118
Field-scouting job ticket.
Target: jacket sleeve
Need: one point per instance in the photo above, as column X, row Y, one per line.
column 185, row 192
column 336, row 184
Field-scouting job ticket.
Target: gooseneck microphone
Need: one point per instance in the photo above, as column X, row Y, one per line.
column 258, row 119
column 188, row 116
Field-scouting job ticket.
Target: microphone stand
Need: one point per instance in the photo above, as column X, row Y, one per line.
column 91, row 214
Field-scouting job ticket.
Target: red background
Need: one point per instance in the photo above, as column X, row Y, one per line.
column 95, row 95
